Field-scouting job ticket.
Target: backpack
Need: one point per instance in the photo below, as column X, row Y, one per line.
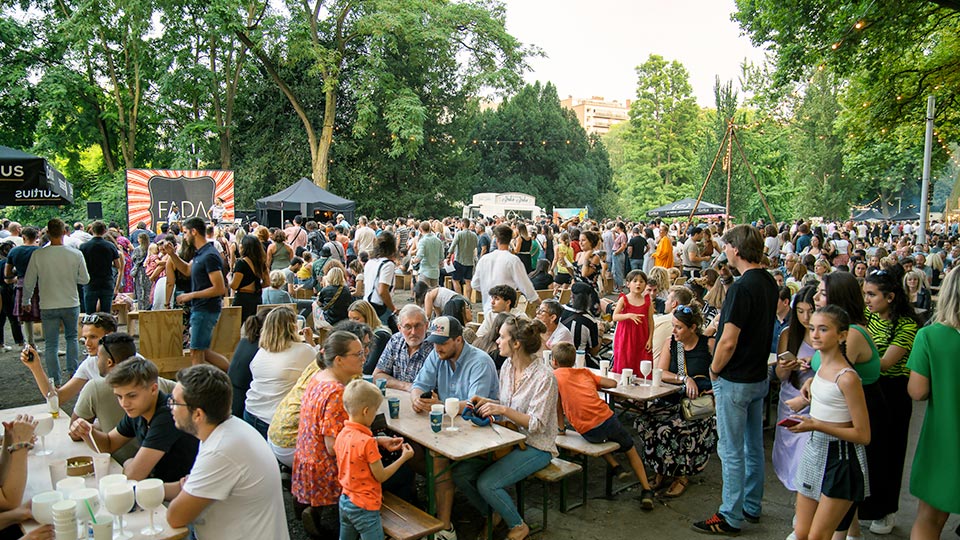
column 315, row 241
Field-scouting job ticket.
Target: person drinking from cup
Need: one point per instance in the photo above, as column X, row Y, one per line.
column 165, row 452
column 592, row 417
column 456, row 370
column 234, row 482
column 528, row 398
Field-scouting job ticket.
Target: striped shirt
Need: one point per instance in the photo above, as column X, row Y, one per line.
column 886, row 333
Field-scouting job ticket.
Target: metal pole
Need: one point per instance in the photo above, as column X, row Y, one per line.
column 925, row 187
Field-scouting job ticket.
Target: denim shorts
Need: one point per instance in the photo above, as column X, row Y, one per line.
column 201, row 329
column 610, row 430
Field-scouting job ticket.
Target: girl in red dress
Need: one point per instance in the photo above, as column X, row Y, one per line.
column 633, row 339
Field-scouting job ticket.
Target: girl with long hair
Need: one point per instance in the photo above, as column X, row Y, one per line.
column 249, row 275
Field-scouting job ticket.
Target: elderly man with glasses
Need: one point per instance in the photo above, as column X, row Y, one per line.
column 406, row 351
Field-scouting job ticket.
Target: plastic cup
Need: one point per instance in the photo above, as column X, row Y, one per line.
column 103, row 528
column 69, row 485
column 604, row 368
column 368, row 378
column 382, row 385
column 394, row 404
column 657, row 377
column 101, row 464
column 58, row 471
column 42, row 505
column 581, row 360
column 436, row 420
column 626, row 377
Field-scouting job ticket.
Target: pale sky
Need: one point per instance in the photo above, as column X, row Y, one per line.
column 593, row 47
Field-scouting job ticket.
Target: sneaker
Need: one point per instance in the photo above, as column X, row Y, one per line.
column 446, row 534
column 646, row 499
column 310, row 517
column 715, row 524
column 750, row 517
column 7, row 348
column 883, row 526
column 792, row 536
column 619, row 472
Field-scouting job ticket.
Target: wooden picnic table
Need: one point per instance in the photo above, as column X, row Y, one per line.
column 638, row 393
column 38, row 474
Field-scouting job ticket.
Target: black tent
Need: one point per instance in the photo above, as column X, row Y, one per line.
column 906, row 215
column 29, row 180
column 684, row 206
column 306, row 199
column 868, row 215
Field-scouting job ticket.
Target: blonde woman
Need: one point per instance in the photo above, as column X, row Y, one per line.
column 334, row 298
column 562, row 262
column 276, row 367
column 361, row 311
column 915, row 284
column 276, row 293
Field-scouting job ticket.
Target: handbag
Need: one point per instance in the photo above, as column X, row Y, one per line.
column 700, row 407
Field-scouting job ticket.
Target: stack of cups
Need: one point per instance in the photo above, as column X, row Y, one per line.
column 65, row 520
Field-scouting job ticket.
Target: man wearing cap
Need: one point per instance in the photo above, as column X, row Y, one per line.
column 454, row 369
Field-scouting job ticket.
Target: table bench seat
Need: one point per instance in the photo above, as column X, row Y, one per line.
column 403, row 521
column 557, row 470
column 573, row 442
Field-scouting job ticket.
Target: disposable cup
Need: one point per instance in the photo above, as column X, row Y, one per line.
column 657, row 377
column 42, row 506
column 69, row 485
column 438, row 407
column 58, row 471
column 101, row 464
column 547, row 354
column 394, row 404
column 103, row 528
column 604, row 368
column 626, row 377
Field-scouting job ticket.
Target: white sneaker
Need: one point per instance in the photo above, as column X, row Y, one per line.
column 446, row 534
column 883, row 526
column 7, row 348
column 792, row 536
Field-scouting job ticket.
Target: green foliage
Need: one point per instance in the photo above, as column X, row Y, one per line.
column 532, row 145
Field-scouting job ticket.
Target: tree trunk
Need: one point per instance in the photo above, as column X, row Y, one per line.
column 321, row 166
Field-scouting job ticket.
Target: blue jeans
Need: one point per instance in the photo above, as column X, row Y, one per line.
column 356, row 522
column 258, row 424
column 51, row 319
column 618, row 267
column 740, row 428
column 92, row 295
column 485, row 484
column 636, row 264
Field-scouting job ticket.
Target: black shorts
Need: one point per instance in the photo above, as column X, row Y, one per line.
column 461, row 273
column 562, row 279
column 610, row 430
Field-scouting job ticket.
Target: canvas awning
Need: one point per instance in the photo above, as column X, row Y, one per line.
column 868, row 215
column 304, row 198
column 684, row 206
column 29, row 180
column 906, row 215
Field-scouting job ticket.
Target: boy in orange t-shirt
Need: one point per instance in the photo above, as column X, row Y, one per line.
column 591, row 417
column 360, row 470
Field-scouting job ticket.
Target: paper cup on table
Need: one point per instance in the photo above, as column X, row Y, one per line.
column 70, row 484
column 101, row 464
column 604, row 368
column 103, row 528
column 42, row 506
column 58, row 471
column 657, row 377
column 626, row 377
column 438, row 407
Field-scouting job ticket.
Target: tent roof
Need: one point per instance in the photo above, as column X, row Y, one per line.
column 906, row 215
column 683, row 208
column 867, row 215
column 303, row 191
column 12, row 153
column 31, row 180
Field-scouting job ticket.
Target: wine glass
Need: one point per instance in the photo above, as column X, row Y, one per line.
column 44, row 427
column 646, row 367
column 119, row 499
column 452, row 406
column 150, row 497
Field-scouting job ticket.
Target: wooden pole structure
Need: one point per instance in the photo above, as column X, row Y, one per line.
column 728, row 160
column 706, row 180
column 756, row 183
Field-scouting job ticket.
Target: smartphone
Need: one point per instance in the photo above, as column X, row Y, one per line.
column 788, row 422
column 787, row 357
column 26, row 349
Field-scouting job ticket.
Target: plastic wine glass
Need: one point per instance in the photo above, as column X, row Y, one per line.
column 150, row 497
column 452, row 406
column 119, row 499
column 44, row 427
column 646, row 367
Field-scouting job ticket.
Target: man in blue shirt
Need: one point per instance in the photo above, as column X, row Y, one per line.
column 208, row 288
column 456, row 370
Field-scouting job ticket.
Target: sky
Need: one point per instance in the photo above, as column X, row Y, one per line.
column 592, row 47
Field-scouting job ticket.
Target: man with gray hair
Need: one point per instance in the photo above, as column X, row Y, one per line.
column 406, row 350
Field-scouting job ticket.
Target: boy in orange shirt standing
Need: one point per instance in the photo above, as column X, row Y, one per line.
column 591, row 417
column 360, row 470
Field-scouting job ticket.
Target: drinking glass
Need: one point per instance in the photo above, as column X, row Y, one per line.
column 452, row 406
column 119, row 499
column 646, row 367
column 44, row 427
column 150, row 497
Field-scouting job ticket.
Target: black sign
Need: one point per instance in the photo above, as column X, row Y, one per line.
column 193, row 196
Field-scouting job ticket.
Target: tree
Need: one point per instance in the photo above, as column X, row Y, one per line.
column 345, row 37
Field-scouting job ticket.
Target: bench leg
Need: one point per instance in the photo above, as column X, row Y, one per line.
column 609, row 491
column 564, row 507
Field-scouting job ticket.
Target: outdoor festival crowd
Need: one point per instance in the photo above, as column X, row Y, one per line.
column 844, row 325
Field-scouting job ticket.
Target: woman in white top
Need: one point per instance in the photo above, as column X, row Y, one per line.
column 771, row 245
column 276, row 367
column 832, row 473
column 378, row 276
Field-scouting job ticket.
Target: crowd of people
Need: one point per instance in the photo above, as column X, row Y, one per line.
column 851, row 312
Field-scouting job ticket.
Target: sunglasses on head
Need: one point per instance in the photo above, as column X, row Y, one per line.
column 95, row 318
column 683, row 309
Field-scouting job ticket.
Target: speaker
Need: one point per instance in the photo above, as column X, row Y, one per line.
column 94, row 210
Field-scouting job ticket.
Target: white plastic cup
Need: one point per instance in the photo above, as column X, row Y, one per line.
column 103, row 528
column 58, row 471
column 657, row 377
column 626, row 377
column 68, row 485
column 581, row 360
column 42, row 506
column 604, row 368
column 546, row 357
column 101, row 465
column 438, row 407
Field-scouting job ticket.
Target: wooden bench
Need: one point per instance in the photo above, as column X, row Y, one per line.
column 303, row 294
column 573, row 443
column 565, row 296
column 161, row 339
column 226, row 334
column 545, row 293
column 402, row 282
column 403, row 521
column 269, row 307
column 557, row 471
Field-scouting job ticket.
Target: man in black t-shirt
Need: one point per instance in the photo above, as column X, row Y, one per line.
column 165, row 452
column 101, row 256
column 636, row 247
column 739, row 376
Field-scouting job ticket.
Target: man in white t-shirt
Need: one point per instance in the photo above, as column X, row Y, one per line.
column 500, row 267
column 364, row 237
column 233, row 490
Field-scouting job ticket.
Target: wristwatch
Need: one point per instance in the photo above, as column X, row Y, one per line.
column 683, row 379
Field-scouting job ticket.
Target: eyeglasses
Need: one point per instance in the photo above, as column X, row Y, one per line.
column 357, row 354
column 171, row 403
column 683, row 309
column 409, row 327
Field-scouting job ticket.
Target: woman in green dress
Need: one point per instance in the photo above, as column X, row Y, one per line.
column 935, row 477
